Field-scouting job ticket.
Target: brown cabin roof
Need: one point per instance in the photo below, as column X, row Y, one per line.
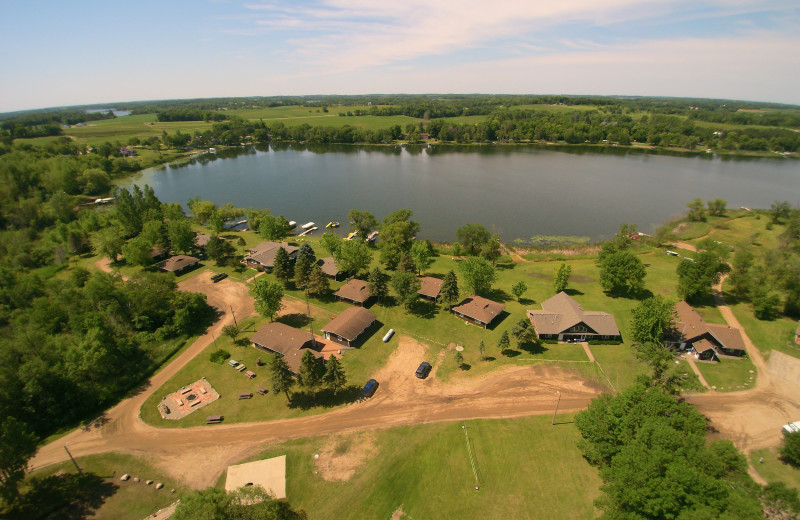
column 156, row 251
column 429, row 286
column 264, row 253
column 201, row 240
column 562, row 312
column 291, row 342
column 350, row 323
column 177, row 262
column 328, row 266
column 691, row 326
column 354, row 290
column 480, row 309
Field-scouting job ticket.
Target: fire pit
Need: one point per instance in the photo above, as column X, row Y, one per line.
column 191, row 397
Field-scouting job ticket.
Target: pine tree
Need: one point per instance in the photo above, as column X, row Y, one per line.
column 281, row 376
column 318, row 283
column 449, row 291
column 311, row 372
column 482, row 349
column 504, row 343
column 302, row 270
column 282, row 266
column 378, row 284
column 334, row 377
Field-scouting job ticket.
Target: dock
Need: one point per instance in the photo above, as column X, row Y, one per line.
column 307, row 231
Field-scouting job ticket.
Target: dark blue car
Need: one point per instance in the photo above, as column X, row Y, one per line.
column 369, row 388
column 423, row 370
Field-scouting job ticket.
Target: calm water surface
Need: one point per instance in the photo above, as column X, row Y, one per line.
column 516, row 192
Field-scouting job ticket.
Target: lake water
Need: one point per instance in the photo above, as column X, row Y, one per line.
column 517, row 192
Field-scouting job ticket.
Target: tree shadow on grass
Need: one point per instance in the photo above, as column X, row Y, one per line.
column 465, row 367
column 526, row 301
column 66, row 496
column 631, row 295
column 510, row 353
column 489, row 358
column 325, row 398
column 424, row 309
column 497, row 295
column 295, row 319
column 573, row 292
column 533, row 348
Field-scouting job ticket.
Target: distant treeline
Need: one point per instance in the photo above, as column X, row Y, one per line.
column 45, row 123
column 189, row 114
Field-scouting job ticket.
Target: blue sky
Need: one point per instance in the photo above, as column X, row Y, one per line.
column 55, row 53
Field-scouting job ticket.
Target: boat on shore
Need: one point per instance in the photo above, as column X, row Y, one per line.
column 307, row 225
column 332, row 224
column 352, row 235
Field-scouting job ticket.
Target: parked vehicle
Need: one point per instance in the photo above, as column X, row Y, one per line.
column 423, row 370
column 672, row 253
column 219, row 276
column 369, row 388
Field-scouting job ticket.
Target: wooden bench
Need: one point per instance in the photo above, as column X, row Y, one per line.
column 248, row 395
column 214, row 419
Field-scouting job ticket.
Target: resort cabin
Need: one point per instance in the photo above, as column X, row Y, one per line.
column 354, row 292
column 263, row 255
column 429, row 288
column 348, row 326
column 479, row 311
column 707, row 341
column 563, row 319
column 292, row 343
column 178, row 263
column 328, row 267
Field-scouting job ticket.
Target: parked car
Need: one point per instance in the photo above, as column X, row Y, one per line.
column 423, row 370
column 369, row 388
column 672, row 253
column 219, row 276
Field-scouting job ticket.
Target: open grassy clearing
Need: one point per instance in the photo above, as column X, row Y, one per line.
column 527, row 468
column 773, row 469
column 117, row 500
column 729, row 375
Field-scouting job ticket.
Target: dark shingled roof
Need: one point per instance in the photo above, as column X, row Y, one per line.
column 264, row 253
column 350, row 323
column 562, row 312
column 430, row 287
column 328, row 266
column 290, row 342
column 480, row 309
column 354, row 290
column 177, row 262
column 691, row 325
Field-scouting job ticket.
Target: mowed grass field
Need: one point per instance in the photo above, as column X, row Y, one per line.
column 526, row 468
column 773, row 469
column 105, row 496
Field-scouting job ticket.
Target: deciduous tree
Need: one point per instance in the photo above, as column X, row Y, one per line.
column 695, row 278
column 697, row 212
column 268, row 296
column 422, row 253
column 472, row 237
column 622, row 271
column 362, row 221
column 652, row 319
column 180, row 234
column 562, row 278
column 354, row 257
column 17, row 446
column 406, row 286
column 478, row 274
column 378, row 284
column 518, row 289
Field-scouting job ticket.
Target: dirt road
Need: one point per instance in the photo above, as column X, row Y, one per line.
column 199, row 455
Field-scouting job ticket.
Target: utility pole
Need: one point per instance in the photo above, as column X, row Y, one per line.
column 72, row 459
column 234, row 316
column 553, row 423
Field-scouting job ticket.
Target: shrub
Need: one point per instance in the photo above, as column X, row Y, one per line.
column 790, row 449
column 219, row 356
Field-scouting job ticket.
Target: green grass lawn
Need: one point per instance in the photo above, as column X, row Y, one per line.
column 527, row 468
column 767, row 335
column 773, row 469
column 435, row 327
column 117, row 500
column 729, row 374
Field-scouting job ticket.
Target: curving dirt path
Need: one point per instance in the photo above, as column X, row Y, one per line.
column 199, row 455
